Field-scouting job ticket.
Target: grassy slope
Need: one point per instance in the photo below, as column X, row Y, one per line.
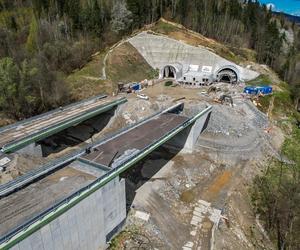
column 283, row 106
column 260, row 81
column 124, row 64
column 86, row 81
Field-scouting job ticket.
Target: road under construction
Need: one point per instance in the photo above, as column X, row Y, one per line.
column 79, row 200
column 27, row 132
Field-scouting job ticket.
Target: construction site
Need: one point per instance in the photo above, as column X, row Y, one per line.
column 166, row 165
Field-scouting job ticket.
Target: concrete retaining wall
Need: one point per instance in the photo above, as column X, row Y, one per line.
column 84, row 226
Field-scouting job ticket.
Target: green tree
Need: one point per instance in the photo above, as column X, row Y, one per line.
column 32, row 39
column 9, row 79
column 27, row 96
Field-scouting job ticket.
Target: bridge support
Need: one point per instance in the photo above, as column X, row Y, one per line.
column 33, row 149
column 89, row 224
column 186, row 139
column 104, row 196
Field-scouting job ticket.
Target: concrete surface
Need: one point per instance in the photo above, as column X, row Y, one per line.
column 85, row 226
column 88, row 225
column 160, row 51
column 29, row 127
column 39, row 196
column 187, row 139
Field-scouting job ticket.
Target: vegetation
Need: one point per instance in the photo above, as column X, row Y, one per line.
column 275, row 196
column 168, row 83
column 86, row 82
column 275, row 193
column 260, row 81
column 125, row 64
column 54, row 38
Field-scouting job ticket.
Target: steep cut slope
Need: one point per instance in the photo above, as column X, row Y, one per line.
column 123, row 63
column 161, row 50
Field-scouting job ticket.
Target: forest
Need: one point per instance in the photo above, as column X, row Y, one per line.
column 42, row 41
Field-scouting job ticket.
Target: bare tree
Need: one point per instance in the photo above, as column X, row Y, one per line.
column 121, row 16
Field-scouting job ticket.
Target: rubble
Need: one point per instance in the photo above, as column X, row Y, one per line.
column 142, row 215
column 227, row 121
column 229, row 148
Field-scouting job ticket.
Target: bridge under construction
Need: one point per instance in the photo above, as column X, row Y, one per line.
column 29, row 131
column 79, row 200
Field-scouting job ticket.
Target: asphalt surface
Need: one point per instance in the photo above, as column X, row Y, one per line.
column 137, row 138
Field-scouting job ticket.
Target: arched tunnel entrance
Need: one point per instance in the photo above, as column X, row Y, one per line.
column 227, row 75
column 169, row 72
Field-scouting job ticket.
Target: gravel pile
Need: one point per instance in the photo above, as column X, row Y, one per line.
column 225, row 120
column 259, row 120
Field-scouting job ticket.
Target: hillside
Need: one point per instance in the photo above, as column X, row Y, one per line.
column 125, row 64
column 291, row 18
column 122, row 64
column 42, row 42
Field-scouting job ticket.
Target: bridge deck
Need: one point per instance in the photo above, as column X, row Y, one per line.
column 30, row 201
column 43, row 122
column 137, row 138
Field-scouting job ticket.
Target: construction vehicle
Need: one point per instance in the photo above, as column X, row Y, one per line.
column 224, row 99
column 213, row 89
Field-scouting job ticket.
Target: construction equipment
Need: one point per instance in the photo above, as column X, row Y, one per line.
column 223, row 99
column 213, row 89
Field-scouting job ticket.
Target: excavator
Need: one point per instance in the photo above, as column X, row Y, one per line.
column 224, row 99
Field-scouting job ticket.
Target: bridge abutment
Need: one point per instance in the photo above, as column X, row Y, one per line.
column 90, row 224
column 32, row 149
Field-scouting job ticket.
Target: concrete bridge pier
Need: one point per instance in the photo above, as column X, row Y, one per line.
column 187, row 138
column 33, row 149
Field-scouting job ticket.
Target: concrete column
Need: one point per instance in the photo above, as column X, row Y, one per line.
column 186, row 139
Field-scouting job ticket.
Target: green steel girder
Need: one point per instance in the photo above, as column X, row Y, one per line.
column 14, row 146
